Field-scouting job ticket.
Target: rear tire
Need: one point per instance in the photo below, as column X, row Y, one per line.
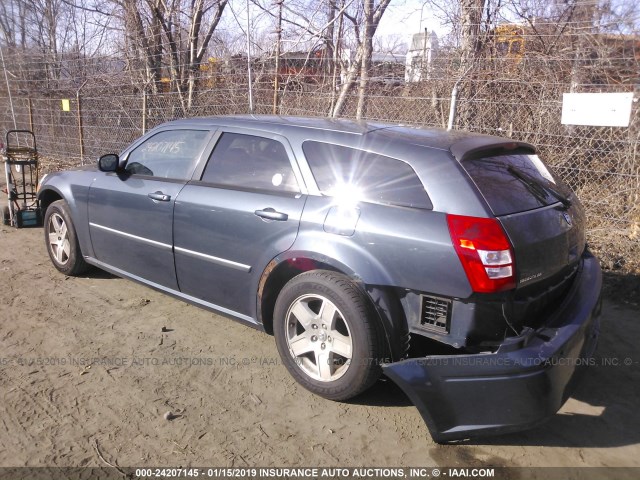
column 327, row 334
column 61, row 240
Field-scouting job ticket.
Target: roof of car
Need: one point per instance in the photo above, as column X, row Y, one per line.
column 427, row 137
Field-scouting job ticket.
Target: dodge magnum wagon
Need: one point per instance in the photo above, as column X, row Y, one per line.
column 453, row 263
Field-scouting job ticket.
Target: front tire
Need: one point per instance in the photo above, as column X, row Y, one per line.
column 327, row 335
column 61, row 240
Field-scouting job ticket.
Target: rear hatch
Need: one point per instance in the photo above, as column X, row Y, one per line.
column 543, row 219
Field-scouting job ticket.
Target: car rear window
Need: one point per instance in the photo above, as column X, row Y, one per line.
column 515, row 183
column 375, row 178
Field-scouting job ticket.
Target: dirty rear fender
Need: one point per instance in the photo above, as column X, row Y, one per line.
column 364, row 270
column 354, row 260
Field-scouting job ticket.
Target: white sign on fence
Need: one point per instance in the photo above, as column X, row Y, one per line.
column 597, row 109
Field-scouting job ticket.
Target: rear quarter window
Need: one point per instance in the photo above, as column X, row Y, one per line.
column 371, row 177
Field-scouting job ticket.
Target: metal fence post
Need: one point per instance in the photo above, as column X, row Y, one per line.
column 30, row 114
column 452, row 108
column 276, row 79
column 6, row 78
column 249, row 60
column 144, row 112
column 80, row 135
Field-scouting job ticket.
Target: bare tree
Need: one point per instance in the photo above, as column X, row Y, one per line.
column 185, row 58
column 365, row 28
column 471, row 13
column 470, row 23
column 13, row 23
column 143, row 41
column 51, row 44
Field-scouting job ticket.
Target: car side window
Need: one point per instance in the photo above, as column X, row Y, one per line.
column 250, row 161
column 365, row 176
column 169, row 154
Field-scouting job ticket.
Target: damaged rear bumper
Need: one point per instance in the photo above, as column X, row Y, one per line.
column 522, row 384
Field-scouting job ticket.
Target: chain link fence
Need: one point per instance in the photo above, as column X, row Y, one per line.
column 517, row 98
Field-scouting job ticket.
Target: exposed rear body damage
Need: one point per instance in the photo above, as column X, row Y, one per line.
column 522, row 384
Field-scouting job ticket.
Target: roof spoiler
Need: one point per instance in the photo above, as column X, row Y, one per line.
column 486, row 146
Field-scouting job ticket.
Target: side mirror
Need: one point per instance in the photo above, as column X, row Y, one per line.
column 108, row 162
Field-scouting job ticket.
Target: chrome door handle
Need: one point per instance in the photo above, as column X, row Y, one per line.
column 161, row 197
column 271, row 214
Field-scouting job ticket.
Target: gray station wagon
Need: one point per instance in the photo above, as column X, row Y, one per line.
column 453, row 263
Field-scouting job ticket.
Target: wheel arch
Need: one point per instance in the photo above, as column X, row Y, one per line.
column 281, row 270
column 55, row 189
column 383, row 299
column 47, row 196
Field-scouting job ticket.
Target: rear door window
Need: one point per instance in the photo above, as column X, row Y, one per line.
column 516, row 183
column 364, row 176
column 251, row 162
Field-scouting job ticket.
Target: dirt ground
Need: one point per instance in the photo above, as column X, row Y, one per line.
column 86, row 368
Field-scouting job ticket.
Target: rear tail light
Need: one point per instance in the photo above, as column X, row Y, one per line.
column 484, row 251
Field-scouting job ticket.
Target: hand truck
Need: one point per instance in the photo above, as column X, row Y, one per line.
column 21, row 175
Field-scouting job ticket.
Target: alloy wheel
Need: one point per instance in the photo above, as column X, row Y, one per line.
column 59, row 239
column 318, row 338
